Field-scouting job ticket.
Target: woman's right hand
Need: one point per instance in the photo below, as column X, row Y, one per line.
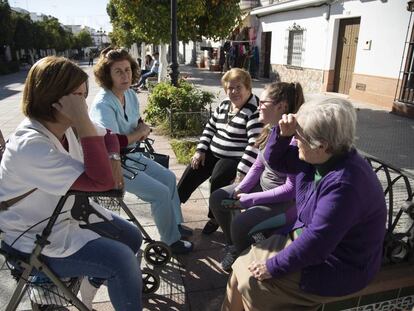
column 73, row 107
column 237, row 193
column 287, row 125
column 197, row 159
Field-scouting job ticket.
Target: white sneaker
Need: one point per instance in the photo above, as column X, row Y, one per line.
column 87, row 292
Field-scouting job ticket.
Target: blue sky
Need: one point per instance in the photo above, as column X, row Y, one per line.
column 91, row 13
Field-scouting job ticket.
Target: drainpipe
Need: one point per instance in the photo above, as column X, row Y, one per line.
column 327, row 16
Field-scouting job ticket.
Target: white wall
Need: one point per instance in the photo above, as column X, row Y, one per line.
column 188, row 50
column 384, row 23
column 315, row 36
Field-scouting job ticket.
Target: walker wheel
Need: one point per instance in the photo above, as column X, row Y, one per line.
column 150, row 281
column 157, row 253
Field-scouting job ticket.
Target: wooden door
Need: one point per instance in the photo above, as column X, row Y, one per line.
column 346, row 54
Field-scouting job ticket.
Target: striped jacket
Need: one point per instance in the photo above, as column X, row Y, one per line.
column 233, row 136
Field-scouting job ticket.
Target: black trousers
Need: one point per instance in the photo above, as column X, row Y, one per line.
column 238, row 227
column 221, row 172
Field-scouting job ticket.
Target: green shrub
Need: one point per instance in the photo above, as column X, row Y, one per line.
column 184, row 150
column 188, row 106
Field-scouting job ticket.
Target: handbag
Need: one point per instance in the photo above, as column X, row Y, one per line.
column 149, row 152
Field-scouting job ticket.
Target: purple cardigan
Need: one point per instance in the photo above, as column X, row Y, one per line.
column 343, row 219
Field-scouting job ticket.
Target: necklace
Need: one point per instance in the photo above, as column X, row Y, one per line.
column 231, row 113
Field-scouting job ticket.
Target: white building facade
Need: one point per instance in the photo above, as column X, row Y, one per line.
column 354, row 47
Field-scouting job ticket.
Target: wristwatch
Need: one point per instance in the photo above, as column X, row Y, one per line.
column 114, row 156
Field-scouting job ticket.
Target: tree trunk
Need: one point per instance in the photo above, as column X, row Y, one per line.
column 194, row 55
column 162, row 75
column 143, row 55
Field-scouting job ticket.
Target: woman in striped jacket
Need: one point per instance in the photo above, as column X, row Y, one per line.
column 226, row 147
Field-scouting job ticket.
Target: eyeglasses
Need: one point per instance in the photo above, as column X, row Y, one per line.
column 262, row 102
column 299, row 135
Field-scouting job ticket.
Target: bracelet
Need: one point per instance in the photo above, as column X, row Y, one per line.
column 114, row 156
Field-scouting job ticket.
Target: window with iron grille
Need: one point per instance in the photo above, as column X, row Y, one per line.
column 295, row 45
column 406, row 88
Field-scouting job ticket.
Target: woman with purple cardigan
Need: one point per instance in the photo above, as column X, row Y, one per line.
column 338, row 236
column 266, row 195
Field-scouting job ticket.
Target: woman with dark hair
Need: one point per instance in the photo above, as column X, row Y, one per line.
column 266, row 195
column 147, row 64
column 44, row 159
column 116, row 107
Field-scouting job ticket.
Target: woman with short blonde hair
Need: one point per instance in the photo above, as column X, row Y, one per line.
column 236, row 74
column 226, row 148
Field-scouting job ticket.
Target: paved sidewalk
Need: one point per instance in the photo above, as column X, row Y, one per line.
column 195, row 282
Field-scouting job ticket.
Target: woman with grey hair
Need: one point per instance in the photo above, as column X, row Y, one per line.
column 338, row 237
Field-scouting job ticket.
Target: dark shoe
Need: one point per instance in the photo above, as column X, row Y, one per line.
column 210, row 227
column 229, row 258
column 184, row 231
column 181, row 247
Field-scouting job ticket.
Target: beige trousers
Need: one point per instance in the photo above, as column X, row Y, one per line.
column 271, row 294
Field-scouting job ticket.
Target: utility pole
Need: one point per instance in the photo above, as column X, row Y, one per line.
column 174, row 64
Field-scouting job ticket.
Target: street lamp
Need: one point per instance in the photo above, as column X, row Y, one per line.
column 101, row 33
column 174, row 64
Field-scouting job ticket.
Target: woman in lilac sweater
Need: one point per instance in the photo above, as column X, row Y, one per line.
column 267, row 195
column 340, row 229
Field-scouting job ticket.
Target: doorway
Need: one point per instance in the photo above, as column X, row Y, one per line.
column 266, row 46
column 346, row 54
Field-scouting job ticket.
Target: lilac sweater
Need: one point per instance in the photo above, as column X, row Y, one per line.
column 343, row 220
column 282, row 193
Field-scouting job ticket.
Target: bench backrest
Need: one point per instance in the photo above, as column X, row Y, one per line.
column 397, row 186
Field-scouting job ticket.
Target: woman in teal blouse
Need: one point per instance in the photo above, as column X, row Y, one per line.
column 116, row 107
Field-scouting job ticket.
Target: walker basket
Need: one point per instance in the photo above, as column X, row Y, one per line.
column 42, row 291
column 111, row 204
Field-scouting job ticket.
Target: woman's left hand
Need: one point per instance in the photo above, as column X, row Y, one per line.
column 259, row 270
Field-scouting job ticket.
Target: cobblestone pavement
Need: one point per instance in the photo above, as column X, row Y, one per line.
column 195, row 281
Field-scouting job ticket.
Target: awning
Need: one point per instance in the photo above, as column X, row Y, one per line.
column 287, row 6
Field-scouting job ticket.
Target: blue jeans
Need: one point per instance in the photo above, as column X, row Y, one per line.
column 157, row 185
column 108, row 259
column 145, row 76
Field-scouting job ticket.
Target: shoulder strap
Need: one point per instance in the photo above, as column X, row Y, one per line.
column 4, row 205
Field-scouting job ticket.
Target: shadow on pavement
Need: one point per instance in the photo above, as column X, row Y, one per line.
column 5, row 92
column 11, row 84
